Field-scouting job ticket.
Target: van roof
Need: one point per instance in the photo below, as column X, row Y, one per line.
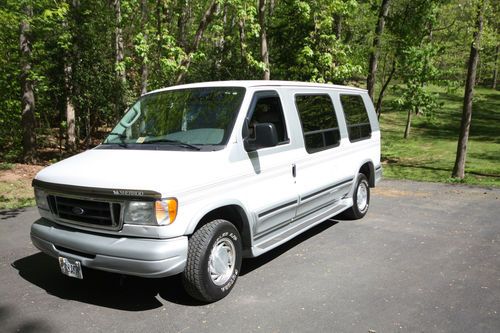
column 258, row 83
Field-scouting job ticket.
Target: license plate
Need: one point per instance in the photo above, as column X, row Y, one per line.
column 71, row 267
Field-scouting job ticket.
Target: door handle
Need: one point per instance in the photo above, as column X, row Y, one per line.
column 294, row 170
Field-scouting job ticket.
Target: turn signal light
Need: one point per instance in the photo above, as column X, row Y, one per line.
column 166, row 211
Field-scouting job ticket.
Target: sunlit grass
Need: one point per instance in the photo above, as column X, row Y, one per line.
column 16, row 194
column 429, row 153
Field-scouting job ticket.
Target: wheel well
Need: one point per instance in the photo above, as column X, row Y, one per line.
column 369, row 171
column 233, row 214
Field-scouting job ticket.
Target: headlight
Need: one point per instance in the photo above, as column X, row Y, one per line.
column 160, row 212
column 139, row 212
column 41, row 199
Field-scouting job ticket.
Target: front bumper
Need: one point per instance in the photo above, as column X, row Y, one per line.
column 125, row 255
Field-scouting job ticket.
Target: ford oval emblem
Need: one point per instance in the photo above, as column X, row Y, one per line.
column 78, row 210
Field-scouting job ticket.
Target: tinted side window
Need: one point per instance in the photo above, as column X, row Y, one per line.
column 268, row 109
column 319, row 123
column 358, row 124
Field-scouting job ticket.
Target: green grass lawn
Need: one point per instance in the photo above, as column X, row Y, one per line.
column 429, row 153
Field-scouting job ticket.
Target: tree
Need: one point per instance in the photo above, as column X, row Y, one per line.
column 412, row 24
column 307, row 46
column 204, row 22
column 374, row 53
column 144, row 64
column 28, row 97
column 120, row 74
column 68, row 83
column 495, row 69
column 459, row 168
column 84, row 61
column 264, row 51
column 378, row 106
column 10, row 85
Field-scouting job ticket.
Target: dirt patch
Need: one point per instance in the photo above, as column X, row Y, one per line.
column 15, row 186
column 20, row 172
column 394, row 193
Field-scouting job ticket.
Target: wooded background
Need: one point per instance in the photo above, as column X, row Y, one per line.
column 69, row 68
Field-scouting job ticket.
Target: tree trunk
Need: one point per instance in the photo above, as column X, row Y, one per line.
column 408, row 124
column 378, row 109
column 272, row 7
column 144, row 64
column 337, row 26
column 459, row 168
column 70, row 111
column 120, row 75
column 205, row 21
column 28, row 121
column 220, row 43
column 73, row 87
column 264, row 52
column 182, row 23
column 372, row 65
column 495, row 70
column 241, row 27
column 159, row 40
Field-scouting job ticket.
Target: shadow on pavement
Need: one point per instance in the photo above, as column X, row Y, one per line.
column 101, row 288
column 130, row 293
column 251, row 264
column 9, row 214
column 27, row 325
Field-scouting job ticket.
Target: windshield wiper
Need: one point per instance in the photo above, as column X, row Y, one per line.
column 174, row 143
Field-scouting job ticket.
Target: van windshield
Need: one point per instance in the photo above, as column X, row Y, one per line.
column 187, row 119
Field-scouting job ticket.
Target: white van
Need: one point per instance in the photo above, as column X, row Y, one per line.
column 196, row 177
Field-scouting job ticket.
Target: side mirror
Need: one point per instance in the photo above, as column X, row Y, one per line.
column 265, row 136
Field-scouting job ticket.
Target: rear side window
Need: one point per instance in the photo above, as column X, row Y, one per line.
column 358, row 124
column 319, row 123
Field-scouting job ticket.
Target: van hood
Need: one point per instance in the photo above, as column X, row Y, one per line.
column 158, row 171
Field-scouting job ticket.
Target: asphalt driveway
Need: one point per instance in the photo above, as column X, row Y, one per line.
column 426, row 258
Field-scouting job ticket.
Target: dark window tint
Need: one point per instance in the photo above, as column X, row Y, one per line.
column 319, row 123
column 268, row 110
column 358, row 124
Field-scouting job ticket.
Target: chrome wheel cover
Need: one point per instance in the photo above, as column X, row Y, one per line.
column 362, row 197
column 222, row 261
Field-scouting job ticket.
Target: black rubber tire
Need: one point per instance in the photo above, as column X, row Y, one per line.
column 196, row 277
column 354, row 213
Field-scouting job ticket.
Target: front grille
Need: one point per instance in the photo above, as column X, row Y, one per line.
column 91, row 213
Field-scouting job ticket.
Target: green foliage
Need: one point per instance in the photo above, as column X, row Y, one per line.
column 10, row 89
column 74, row 56
column 417, row 70
column 6, row 166
column 309, row 49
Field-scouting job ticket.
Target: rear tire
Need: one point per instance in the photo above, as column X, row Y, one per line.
column 360, row 199
column 213, row 261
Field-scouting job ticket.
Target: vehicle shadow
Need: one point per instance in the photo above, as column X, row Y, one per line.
column 130, row 293
column 101, row 288
column 252, row 264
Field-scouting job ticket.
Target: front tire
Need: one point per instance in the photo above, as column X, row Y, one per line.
column 360, row 198
column 213, row 261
